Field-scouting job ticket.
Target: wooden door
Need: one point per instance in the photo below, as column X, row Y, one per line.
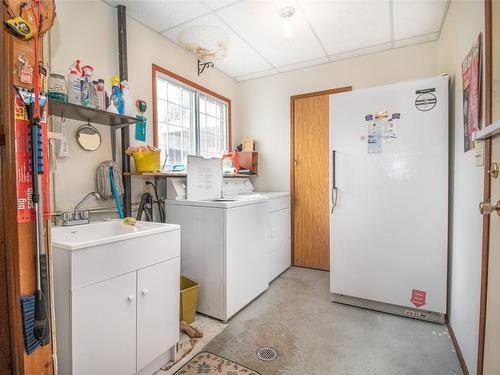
column 103, row 323
column 491, row 364
column 157, row 310
column 310, row 175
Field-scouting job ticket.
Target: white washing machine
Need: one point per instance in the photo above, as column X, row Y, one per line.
column 224, row 247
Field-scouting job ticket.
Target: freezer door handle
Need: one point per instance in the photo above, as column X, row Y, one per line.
column 335, row 191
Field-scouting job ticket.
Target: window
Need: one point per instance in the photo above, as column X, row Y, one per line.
column 189, row 119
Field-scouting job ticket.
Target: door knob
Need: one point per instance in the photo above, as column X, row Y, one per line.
column 494, row 170
column 130, row 298
column 487, row 208
column 145, row 291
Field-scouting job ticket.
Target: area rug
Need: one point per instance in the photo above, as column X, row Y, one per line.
column 208, row 363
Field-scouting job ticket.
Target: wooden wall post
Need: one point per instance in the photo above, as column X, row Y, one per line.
column 17, row 246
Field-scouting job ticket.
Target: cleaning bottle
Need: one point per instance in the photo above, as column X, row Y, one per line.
column 94, row 98
column 101, row 95
column 87, row 85
column 116, row 95
column 74, row 79
column 127, row 103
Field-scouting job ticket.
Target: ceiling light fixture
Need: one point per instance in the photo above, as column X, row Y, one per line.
column 287, row 14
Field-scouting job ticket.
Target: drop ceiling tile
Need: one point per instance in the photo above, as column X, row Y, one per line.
column 416, row 40
column 304, row 64
column 361, row 52
column 240, row 59
column 264, row 73
column 348, row 25
column 216, row 4
column 162, row 14
column 260, row 24
column 413, row 17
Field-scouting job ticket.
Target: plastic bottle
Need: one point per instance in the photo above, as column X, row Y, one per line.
column 101, row 95
column 74, row 79
column 127, row 102
column 116, row 95
column 94, row 99
column 87, row 85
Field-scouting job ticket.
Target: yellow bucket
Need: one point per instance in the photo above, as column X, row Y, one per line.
column 147, row 161
column 189, row 299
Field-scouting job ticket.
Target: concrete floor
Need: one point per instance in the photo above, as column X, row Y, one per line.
column 315, row 336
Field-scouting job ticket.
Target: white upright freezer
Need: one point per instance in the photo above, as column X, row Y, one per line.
column 389, row 198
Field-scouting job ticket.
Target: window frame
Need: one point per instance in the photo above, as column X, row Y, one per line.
column 193, row 86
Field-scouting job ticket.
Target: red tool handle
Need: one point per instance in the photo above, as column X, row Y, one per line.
column 35, row 8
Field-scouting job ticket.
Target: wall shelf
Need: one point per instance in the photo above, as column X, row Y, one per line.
column 155, row 174
column 87, row 114
column 178, row 174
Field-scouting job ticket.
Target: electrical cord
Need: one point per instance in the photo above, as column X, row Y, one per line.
column 161, row 209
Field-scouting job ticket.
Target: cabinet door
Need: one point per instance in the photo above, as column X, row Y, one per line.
column 103, row 327
column 157, row 310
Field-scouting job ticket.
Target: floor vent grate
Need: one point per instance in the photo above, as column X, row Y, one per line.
column 267, row 354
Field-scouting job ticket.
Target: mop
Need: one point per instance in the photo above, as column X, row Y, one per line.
column 109, row 183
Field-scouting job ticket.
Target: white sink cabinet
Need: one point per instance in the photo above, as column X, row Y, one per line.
column 116, row 297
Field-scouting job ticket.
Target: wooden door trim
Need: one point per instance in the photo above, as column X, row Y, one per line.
column 460, row 356
column 6, row 362
column 487, row 184
column 17, row 251
column 293, row 98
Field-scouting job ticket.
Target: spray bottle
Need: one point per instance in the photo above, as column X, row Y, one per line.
column 74, row 79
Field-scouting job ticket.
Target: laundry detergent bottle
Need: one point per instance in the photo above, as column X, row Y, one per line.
column 116, row 94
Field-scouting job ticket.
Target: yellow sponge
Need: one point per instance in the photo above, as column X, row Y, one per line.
column 129, row 221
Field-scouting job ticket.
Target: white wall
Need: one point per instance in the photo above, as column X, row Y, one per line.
column 88, row 30
column 265, row 116
column 264, row 113
column 464, row 22
column 261, row 110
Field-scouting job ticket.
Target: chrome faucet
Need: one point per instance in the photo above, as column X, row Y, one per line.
column 78, row 216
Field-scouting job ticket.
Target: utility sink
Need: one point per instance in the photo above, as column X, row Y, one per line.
column 116, row 296
column 104, row 232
